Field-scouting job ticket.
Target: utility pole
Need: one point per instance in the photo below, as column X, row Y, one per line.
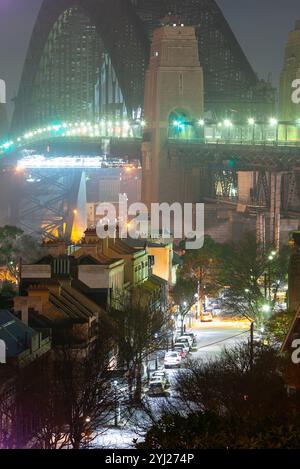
column 251, row 345
column 265, row 285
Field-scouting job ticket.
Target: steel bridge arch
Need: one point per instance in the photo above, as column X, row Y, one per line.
column 112, row 19
column 125, row 27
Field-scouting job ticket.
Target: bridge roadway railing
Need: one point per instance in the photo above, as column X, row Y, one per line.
column 235, row 141
column 273, row 156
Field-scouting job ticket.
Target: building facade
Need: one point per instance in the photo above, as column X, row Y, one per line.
column 289, row 110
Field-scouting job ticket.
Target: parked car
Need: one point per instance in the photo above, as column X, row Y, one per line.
column 207, row 316
column 161, row 375
column 192, row 335
column 181, row 348
column 188, row 337
column 172, row 360
column 185, row 340
column 156, row 388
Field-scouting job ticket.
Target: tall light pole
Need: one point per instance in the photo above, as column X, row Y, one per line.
column 251, row 335
column 182, row 317
column 228, row 125
column 251, row 122
column 115, row 384
column 268, row 281
column 274, row 123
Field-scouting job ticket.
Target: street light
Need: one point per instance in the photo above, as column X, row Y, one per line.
column 274, row 123
column 115, row 384
column 156, row 357
column 201, row 122
column 251, row 122
column 271, row 257
column 266, row 308
column 184, row 304
column 227, row 123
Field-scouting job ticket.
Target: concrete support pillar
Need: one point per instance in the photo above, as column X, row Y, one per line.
column 275, row 207
column 245, row 186
column 173, row 85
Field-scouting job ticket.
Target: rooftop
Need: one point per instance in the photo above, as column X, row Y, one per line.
column 15, row 333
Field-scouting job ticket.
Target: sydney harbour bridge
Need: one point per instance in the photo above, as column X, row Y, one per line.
column 82, row 96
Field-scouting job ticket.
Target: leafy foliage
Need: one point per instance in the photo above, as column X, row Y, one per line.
column 208, row 430
column 251, row 279
column 14, row 246
column 279, row 324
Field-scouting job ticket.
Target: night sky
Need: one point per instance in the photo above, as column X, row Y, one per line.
column 261, row 26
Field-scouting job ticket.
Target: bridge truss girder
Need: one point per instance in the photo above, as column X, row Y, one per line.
column 47, row 201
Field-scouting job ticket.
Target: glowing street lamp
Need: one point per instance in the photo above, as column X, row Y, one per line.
column 273, row 122
column 227, row 123
column 266, row 308
column 201, row 122
column 251, row 122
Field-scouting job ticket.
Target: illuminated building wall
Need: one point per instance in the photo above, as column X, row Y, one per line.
column 290, row 111
column 3, row 115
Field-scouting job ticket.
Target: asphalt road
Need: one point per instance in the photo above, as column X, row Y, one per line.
column 212, row 338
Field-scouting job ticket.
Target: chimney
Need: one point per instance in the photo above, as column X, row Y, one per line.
column 21, row 304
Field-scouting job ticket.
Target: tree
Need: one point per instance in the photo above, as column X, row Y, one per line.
column 14, row 246
column 226, row 403
column 139, row 331
column 63, row 400
column 203, row 264
column 230, row 385
column 279, row 324
column 184, row 294
column 87, row 396
column 249, row 275
column 208, row 430
column 196, row 278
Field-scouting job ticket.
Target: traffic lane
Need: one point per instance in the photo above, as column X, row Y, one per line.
column 211, row 341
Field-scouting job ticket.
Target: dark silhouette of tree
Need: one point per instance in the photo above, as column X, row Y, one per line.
column 250, row 279
column 64, row 400
column 226, row 404
column 14, row 247
column 139, row 329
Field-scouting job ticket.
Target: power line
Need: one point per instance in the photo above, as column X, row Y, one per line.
column 224, row 340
